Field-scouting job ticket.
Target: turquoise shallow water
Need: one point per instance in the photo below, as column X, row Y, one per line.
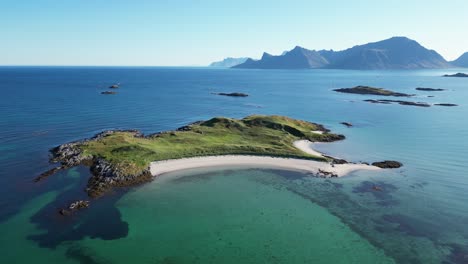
column 236, row 216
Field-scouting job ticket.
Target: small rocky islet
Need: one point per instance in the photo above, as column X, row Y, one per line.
column 113, row 86
column 456, row 75
column 429, row 89
column 108, row 92
column 368, row 90
column 122, row 158
column 235, row 94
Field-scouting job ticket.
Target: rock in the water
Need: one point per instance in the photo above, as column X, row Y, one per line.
column 385, row 101
column 456, row 75
column 346, row 124
column 114, row 86
column 233, row 94
column 64, row 212
column 388, row 164
column 372, row 91
column 47, row 173
column 78, row 205
column 445, row 104
column 430, row 89
column 108, row 92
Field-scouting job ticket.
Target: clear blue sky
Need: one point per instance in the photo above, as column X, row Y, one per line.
column 182, row 32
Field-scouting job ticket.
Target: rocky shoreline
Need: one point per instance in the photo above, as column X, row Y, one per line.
column 104, row 175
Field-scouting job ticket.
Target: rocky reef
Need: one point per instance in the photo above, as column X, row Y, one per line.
column 384, row 101
column 456, row 75
column 371, row 91
column 347, row 124
column 388, row 164
column 430, row 89
column 446, row 104
column 108, row 92
column 233, row 94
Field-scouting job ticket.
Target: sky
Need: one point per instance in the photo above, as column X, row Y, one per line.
column 193, row 33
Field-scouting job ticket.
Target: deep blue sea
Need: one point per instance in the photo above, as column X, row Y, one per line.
column 419, row 216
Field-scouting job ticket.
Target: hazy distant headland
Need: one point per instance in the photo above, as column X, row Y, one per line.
column 228, row 62
column 393, row 53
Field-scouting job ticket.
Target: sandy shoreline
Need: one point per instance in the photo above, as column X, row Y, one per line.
column 309, row 166
column 307, row 147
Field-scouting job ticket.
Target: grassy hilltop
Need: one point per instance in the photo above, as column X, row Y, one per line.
column 253, row 135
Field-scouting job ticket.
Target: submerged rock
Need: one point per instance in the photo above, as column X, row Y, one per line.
column 388, row 164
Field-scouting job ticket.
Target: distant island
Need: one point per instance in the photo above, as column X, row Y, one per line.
column 123, row 158
column 462, row 75
column 233, row 94
column 371, row 91
column 393, row 53
column 228, row 62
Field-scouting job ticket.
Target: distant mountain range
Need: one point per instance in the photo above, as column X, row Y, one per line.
column 228, row 62
column 462, row 61
column 393, row 53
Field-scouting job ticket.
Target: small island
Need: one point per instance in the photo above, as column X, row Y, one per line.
column 125, row 158
column 420, row 104
column 367, row 90
column 385, row 101
column 456, row 75
column 233, row 94
column 430, row 89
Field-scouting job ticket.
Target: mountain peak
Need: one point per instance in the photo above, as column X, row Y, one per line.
column 462, row 61
column 266, row 55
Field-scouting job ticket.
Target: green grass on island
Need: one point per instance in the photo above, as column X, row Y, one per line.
column 253, row 135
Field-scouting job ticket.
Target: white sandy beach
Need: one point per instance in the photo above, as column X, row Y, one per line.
column 161, row 167
column 307, row 147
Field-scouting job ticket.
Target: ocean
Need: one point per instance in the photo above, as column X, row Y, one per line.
column 420, row 214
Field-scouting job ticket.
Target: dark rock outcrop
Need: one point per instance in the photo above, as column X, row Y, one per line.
column 346, row 124
column 114, row 86
column 446, row 104
column 388, row 164
column 104, row 176
column 456, row 75
column 233, row 94
column 108, row 92
column 75, row 206
column 383, row 101
column 429, row 89
column 361, row 89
